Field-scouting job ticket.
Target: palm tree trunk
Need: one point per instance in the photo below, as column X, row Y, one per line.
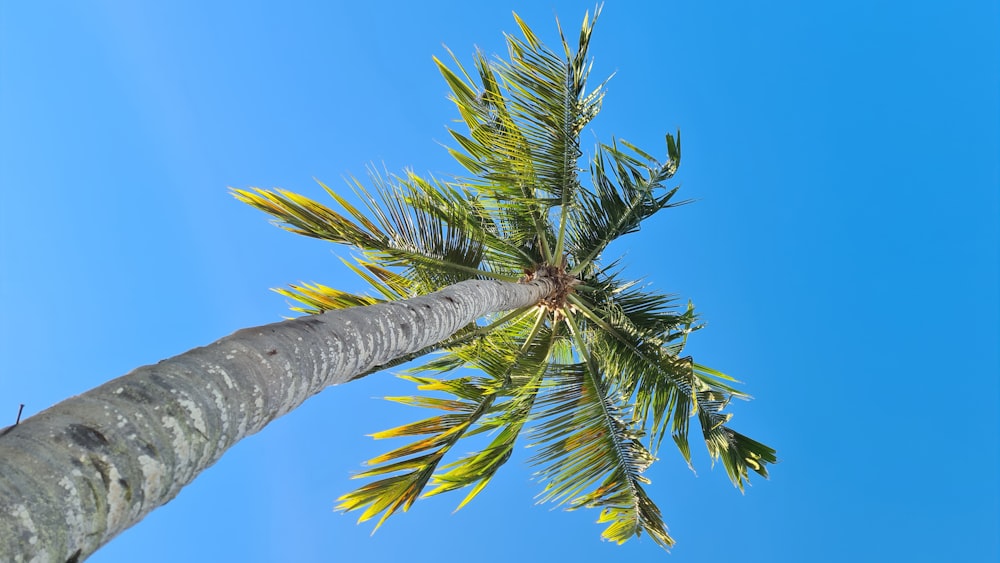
column 74, row 476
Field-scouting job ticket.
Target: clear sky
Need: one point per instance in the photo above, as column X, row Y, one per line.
column 843, row 249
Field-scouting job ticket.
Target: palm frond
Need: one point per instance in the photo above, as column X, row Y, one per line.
column 494, row 151
column 625, row 194
column 302, row 215
column 547, row 99
column 668, row 390
column 662, row 383
column 648, row 315
column 318, row 298
column 524, row 117
column 432, row 247
column 738, row 453
column 522, row 381
column 407, row 470
column 460, row 208
column 591, row 454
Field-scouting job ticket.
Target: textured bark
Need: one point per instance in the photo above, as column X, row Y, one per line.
column 74, row 476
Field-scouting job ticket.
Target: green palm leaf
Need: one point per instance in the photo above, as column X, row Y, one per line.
column 406, row 470
column 519, row 377
column 431, row 249
column 524, row 118
column 662, row 383
column 738, row 453
column 496, row 153
column 318, row 298
column 625, row 194
column 458, row 207
column 591, row 451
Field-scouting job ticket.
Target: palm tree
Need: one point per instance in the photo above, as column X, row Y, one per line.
column 500, row 270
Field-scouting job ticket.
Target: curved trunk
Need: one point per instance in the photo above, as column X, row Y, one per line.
column 73, row 476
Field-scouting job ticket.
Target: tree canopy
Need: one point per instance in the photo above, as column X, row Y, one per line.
column 595, row 377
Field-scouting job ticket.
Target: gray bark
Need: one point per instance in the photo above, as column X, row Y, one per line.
column 74, row 476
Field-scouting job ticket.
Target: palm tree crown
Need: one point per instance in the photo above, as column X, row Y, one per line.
column 596, row 367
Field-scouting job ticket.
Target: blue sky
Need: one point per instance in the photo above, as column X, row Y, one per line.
column 843, row 249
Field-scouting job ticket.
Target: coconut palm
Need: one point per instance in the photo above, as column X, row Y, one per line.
column 500, row 270
column 596, row 365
